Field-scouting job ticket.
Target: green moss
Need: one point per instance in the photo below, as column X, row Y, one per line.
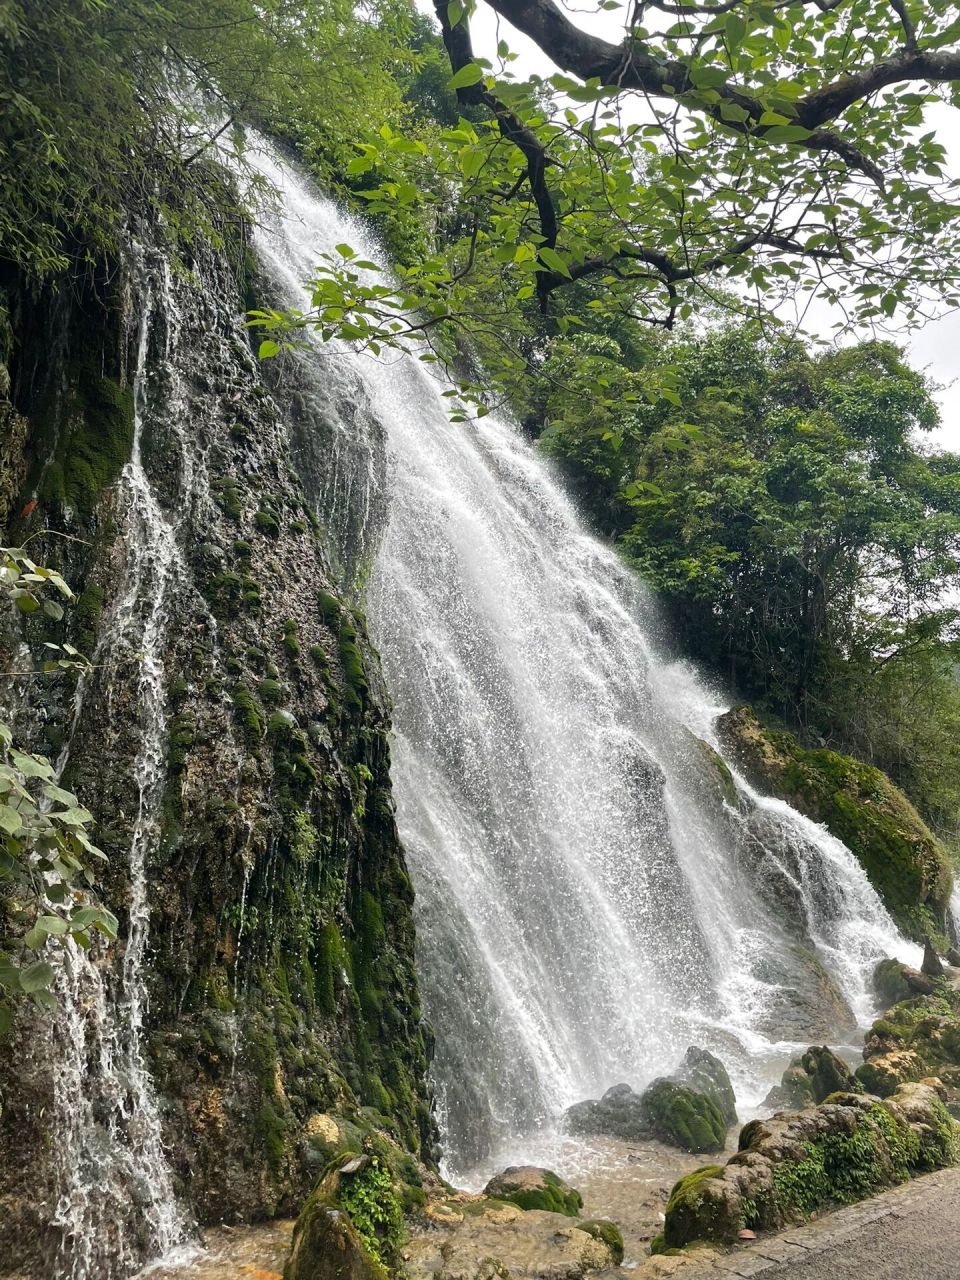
column 271, row 1130
column 351, row 659
column 684, row 1117
column 290, row 642
column 691, row 1216
column 95, row 440
column 271, row 691
column 183, row 732
column 904, row 861
column 608, row 1232
column 329, row 608
column 228, row 497
column 330, row 960
column 247, row 712
column 86, row 617
column 267, row 522
column 552, row 1196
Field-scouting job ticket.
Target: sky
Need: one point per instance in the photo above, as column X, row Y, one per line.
column 935, row 348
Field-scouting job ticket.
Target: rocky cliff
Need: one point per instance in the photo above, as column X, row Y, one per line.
column 231, row 741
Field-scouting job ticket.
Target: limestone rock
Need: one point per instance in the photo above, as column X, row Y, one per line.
column 504, row 1241
column 528, row 1187
column 618, row 1113
column 884, row 1074
column 797, row 1163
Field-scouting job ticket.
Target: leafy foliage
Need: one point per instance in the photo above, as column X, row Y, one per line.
column 745, row 154
column 107, row 109
column 46, row 853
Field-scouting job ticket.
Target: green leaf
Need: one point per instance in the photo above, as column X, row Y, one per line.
column 785, row 133
column 9, row 820
column 36, row 977
column 552, row 259
column 469, row 75
column 268, row 348
column 53, row 925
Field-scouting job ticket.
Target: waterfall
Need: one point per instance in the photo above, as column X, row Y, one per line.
column 587, row 903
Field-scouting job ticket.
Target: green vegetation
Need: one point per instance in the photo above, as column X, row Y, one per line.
column 375, row 1210
column 46, row 853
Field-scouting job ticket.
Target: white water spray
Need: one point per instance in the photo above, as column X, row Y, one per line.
column 587, row 904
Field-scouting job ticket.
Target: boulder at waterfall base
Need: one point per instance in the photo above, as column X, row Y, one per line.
column 811, row 1078
column 904, row 861
column 531, row 1188
column 692, row 1109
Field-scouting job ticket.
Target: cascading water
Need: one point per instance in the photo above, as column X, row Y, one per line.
column 587, row 904
column 116, row 1204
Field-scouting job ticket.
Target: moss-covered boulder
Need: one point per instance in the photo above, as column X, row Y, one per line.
column 531, row 1188
column 858, row 804
column 683, row 1117
column 355, row 1222
column 326, row 1246
column 916, row 1038
column 705, row 1073
column 692, row 1109
column 812, row 1078
column 608, row 1232
column 799, row 1163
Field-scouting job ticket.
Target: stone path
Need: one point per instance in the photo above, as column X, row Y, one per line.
column 909, row 1233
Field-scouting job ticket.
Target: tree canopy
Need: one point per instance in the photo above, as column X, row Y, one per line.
column 746, row 153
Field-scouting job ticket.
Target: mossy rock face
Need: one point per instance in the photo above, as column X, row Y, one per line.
column 811, row 1079
column 716, row 772
column 883, row 1075
column 528, row 1187
column 858, row 804
column 682, row 1116
column 916, row 1038
column 890, row 984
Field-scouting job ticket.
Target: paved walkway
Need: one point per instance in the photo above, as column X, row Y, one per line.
column 909, row 1233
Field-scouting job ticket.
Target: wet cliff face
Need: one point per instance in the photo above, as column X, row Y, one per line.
column 232, row 742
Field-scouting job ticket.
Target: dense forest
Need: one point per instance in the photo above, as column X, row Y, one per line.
column 612, row 262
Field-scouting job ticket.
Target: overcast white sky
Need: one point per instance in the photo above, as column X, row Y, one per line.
column 935, row 348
